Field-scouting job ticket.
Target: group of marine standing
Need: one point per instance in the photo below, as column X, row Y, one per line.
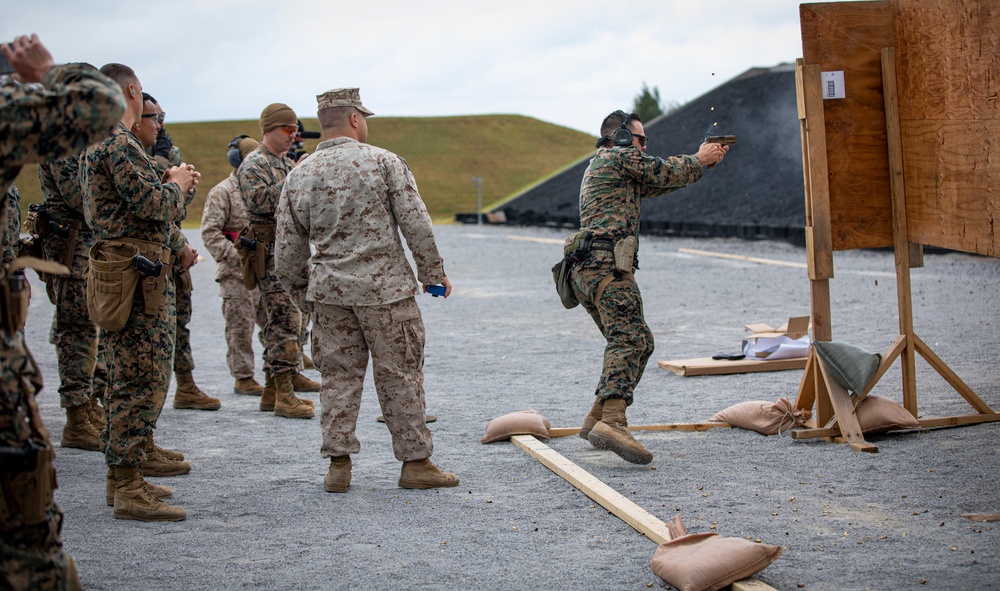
column 319, row 237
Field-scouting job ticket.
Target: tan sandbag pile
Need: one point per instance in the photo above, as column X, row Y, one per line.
column 523, row 422
column 769, row 418
column 708, row 562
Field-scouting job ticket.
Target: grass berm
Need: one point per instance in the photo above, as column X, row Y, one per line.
column 509, row 152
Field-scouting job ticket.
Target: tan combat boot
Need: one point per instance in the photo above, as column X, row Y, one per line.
column 168, row 453
column 160, row 492
column 593, row 417
column 188, row 395
column 611, row 433
column 338, row 477
column 307, row 363
column 301, row 383
column 95, row 412
column 248, row 387
column 267, row 396
column 133, row 501
column 424, row 474
column 156, row 464
column 78, row 432
column 285, row 402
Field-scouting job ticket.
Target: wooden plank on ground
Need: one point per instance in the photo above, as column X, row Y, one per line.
column 738, row 257
column 984, row 517
column 704, row 366
column 566, row 431
column 643, row 521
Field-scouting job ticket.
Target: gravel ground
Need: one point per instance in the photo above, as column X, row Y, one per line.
column 258, row 516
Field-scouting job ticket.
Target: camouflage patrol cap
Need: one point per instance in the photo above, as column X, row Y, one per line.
column 277, row 115
column 342, row 97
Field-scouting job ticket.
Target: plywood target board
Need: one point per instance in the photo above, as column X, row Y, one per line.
column 948, row 81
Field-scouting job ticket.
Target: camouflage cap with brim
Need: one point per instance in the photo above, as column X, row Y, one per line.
column 342, row 97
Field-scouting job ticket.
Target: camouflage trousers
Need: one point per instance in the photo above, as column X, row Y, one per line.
column 140, row 358
column 183, row 358
column 284, row 321
column 75, row 336
column 393, row 334
column 32, row 556
column 619, row 317
column 241, row 309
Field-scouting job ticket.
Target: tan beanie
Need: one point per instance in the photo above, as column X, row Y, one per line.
column 247, row 145
column 277, row 115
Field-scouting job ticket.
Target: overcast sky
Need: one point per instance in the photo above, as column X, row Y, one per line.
column 561, row 61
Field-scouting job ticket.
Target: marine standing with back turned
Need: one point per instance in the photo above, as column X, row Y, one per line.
column 618, row 178
column 74, row 107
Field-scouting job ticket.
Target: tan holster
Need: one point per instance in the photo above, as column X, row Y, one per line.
column 253, row 261
column 625, row 254
column 112, row 280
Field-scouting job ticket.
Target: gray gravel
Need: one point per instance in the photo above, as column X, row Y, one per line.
column 258, row 516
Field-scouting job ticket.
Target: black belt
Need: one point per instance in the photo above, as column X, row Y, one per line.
column 603, row 244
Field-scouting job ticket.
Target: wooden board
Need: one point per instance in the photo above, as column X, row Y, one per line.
column 643, row 521
column 947, row 54
column 702, row 366
column 691, row 427
column 848, row 37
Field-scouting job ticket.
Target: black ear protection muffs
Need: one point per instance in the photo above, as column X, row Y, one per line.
column 235, row 158
column 621, row 137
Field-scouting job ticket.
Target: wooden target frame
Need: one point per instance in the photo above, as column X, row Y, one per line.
column 903, row 159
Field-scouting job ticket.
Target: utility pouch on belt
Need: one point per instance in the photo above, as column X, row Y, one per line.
column 70, row 238
column 15, row 292
column 575, row 249
column 182, row 281
column 28, row 492
column 15, row 295
column 625, row 254
column 250, row 252
column 111, row 282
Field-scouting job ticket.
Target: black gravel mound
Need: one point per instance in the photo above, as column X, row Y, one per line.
column 755, row 193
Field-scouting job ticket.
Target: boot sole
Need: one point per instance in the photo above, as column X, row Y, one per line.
column 150, row 472
column 606, row 442
column 306, row 390
column 80, row 445
column 424, row 485
column 213, row 406
column 335, row 489
column 150, row 518
column 248, row 392
column 279, row 413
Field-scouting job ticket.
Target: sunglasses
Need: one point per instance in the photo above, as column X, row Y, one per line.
column 642, row 139
column 149, row 115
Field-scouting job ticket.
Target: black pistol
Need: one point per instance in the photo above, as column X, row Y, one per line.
column 725, row 140
column 146, row 266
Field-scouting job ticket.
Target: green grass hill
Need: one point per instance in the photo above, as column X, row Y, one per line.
column 509, row 152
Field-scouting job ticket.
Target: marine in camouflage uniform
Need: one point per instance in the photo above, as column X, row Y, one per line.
column 74, row 107
column 351, row 201
column 261, row 177
column 124, row 199
column 618, row 178
column 222, row 219
column 166, row 155
column 73, row 333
